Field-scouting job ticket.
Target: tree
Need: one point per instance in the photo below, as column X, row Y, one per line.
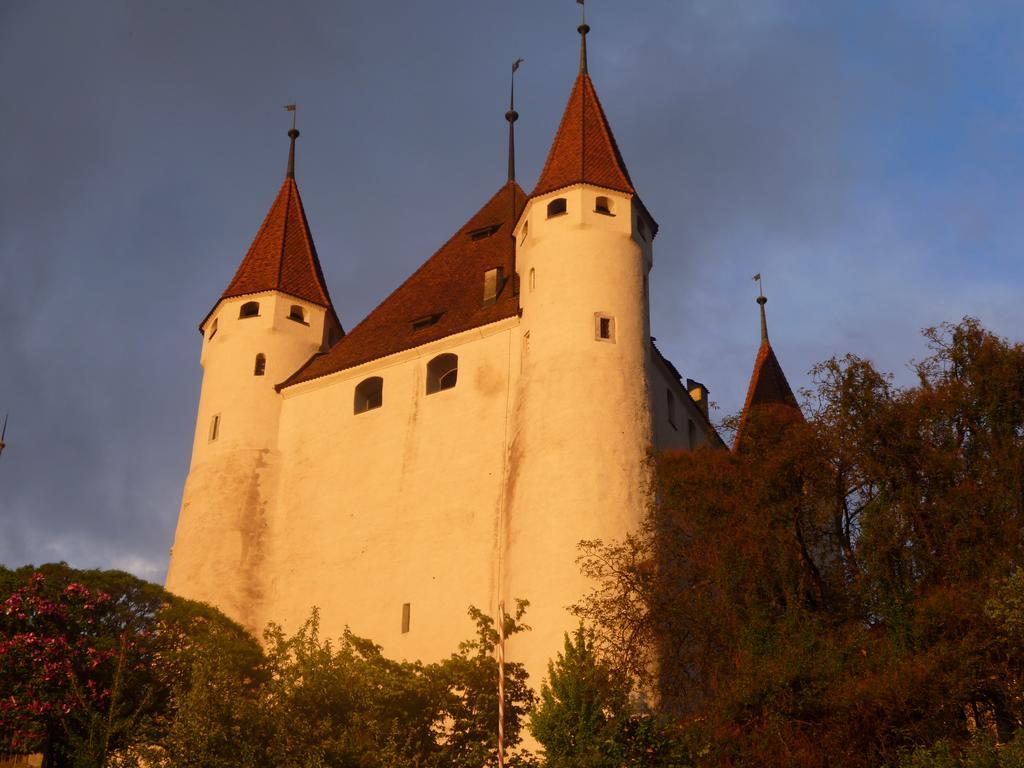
column 837, row 593
column 470, row 702
column 90, row 658
column 581, row 704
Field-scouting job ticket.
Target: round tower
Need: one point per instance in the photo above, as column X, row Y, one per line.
column 582, row 422
column 273, row 317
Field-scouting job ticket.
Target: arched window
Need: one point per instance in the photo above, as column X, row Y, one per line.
column 369, row 395
column 442, row 373
column 261, row 365
column 249, row 309
column 297, row 314
column 557, row 207
column 213, row 330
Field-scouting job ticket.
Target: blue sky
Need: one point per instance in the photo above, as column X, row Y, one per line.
column 865, row 157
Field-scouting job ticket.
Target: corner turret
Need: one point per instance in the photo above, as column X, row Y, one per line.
column 273, row 317
column 582, row 422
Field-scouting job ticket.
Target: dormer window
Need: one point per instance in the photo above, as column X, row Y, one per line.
column 426, row 321
column 492, row 284
column 442, row 373
column 484, row 233
column 297, row 313
column 603, row 205
column 557, row 207
column 249, row 309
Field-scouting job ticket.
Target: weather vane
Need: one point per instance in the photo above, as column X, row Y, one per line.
column 293, row 108
column 583, row 11
column 760, row 285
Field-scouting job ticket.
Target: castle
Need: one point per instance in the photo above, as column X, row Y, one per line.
column 454, row 447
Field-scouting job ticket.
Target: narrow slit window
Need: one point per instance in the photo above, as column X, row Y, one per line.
column 249, row 309
column 691, row 433
column 671, row 408
column 406, row 615
column 261, row 365
column 604, row 329
column 603, row 206
column 533, row 278
column 557, row 207
column 297, row 313
column 369, row 395
column 442, row 373
column 215, row 427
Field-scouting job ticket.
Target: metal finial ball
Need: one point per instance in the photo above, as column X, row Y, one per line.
column 511, row 115
column 293, row 134
column 583, row 29
column 762, row 300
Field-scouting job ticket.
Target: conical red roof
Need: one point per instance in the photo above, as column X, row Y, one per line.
column 768, row 387
column 282, row 257
column 443, row 297
column 584, row 150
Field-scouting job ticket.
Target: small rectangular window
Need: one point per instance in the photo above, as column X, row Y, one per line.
column 406, row 609
column 215, row 427
column 604, row 327
column 671, row 408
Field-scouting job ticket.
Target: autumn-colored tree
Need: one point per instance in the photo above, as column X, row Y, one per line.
column 836, row 592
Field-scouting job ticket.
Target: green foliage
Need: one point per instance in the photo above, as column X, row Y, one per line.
column 585, row 719
column 847, row 589
column 89, row 659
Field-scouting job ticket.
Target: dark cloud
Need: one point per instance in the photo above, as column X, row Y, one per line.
column 863, row 157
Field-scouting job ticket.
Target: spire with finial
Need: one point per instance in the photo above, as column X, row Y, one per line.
column 282, row 256
column 293, row 135
column 762, row 300
column 768, row 384
column 583, row 28
column 512, row 116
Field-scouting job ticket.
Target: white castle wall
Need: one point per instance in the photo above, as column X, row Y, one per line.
column 395, row 505
column 220, row 543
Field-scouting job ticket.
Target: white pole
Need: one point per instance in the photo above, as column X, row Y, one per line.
column 501, row 684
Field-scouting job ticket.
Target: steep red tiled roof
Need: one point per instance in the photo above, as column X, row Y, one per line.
column 449, row 285
column 282, row 257
column 584, row 150
column 768, row 387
